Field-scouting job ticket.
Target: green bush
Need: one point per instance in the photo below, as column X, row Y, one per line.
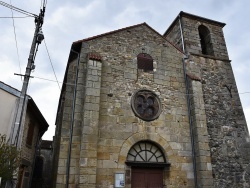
column 9, row 159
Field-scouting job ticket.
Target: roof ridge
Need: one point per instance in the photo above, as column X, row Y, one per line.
column 118, row 30
column 108, row 33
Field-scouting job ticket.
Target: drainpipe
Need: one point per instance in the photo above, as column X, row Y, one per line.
column 189, row 110
column 182, row 38
column 72, row 121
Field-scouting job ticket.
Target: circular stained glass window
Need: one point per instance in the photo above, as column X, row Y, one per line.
column 146, row 105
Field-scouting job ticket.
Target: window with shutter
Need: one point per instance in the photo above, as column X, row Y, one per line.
column 30, row 134
column 145, row 62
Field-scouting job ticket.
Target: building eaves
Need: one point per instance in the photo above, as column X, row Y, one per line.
column 198, row 18
column 9, row 89
column 38, row 115
column 31, row 105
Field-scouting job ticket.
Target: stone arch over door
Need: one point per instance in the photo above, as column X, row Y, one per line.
column 147, row 168
column 146, row 152
column 156, row 138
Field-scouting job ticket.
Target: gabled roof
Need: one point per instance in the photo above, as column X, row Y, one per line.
column 76, row 43
column 109, row 33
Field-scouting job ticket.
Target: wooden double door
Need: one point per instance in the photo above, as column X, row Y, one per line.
column 147, row 178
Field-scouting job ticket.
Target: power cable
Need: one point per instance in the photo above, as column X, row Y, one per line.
column 18, row 57
column 17, row 9
column 51, row 64
column 174, row 93
column 16, row 17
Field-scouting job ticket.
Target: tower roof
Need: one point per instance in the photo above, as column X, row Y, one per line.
column 194, row 17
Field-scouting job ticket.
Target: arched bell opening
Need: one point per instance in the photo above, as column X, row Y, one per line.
column 205, row 40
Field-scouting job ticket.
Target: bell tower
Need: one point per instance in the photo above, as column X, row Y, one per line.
column 198, row 35
column 220, row 135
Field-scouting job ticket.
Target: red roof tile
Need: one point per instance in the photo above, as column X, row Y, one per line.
column 95, row 56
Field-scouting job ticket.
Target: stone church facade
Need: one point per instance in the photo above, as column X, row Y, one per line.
column 141, row 109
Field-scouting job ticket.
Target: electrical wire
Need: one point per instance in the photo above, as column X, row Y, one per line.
column 16, row 17
column 17, row 9
column 174, row 93
column 18, row 56
column 52, row 64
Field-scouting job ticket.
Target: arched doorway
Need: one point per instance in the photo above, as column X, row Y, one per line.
column 147, row 162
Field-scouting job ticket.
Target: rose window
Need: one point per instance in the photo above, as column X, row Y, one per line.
column 146, row 105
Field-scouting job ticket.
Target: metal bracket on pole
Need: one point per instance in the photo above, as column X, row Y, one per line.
column 23, row 75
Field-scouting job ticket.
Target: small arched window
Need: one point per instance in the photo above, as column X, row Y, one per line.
column 145, row 62
column 205, row 40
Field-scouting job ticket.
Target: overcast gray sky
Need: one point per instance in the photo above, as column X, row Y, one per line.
column 67, row 21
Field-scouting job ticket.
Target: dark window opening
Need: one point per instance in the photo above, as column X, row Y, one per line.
column 38, row 171
column 205, row 40
column 30, row 134
column 145, row 62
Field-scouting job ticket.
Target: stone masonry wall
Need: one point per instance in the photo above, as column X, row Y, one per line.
column 89, row 139
column 200, row 132
column 174, row 35
column 192, row 38
column 105, row 126
column 119, row 128
column 27, row 152
column 47, row 167
column 225, row 120
column 63, row 131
